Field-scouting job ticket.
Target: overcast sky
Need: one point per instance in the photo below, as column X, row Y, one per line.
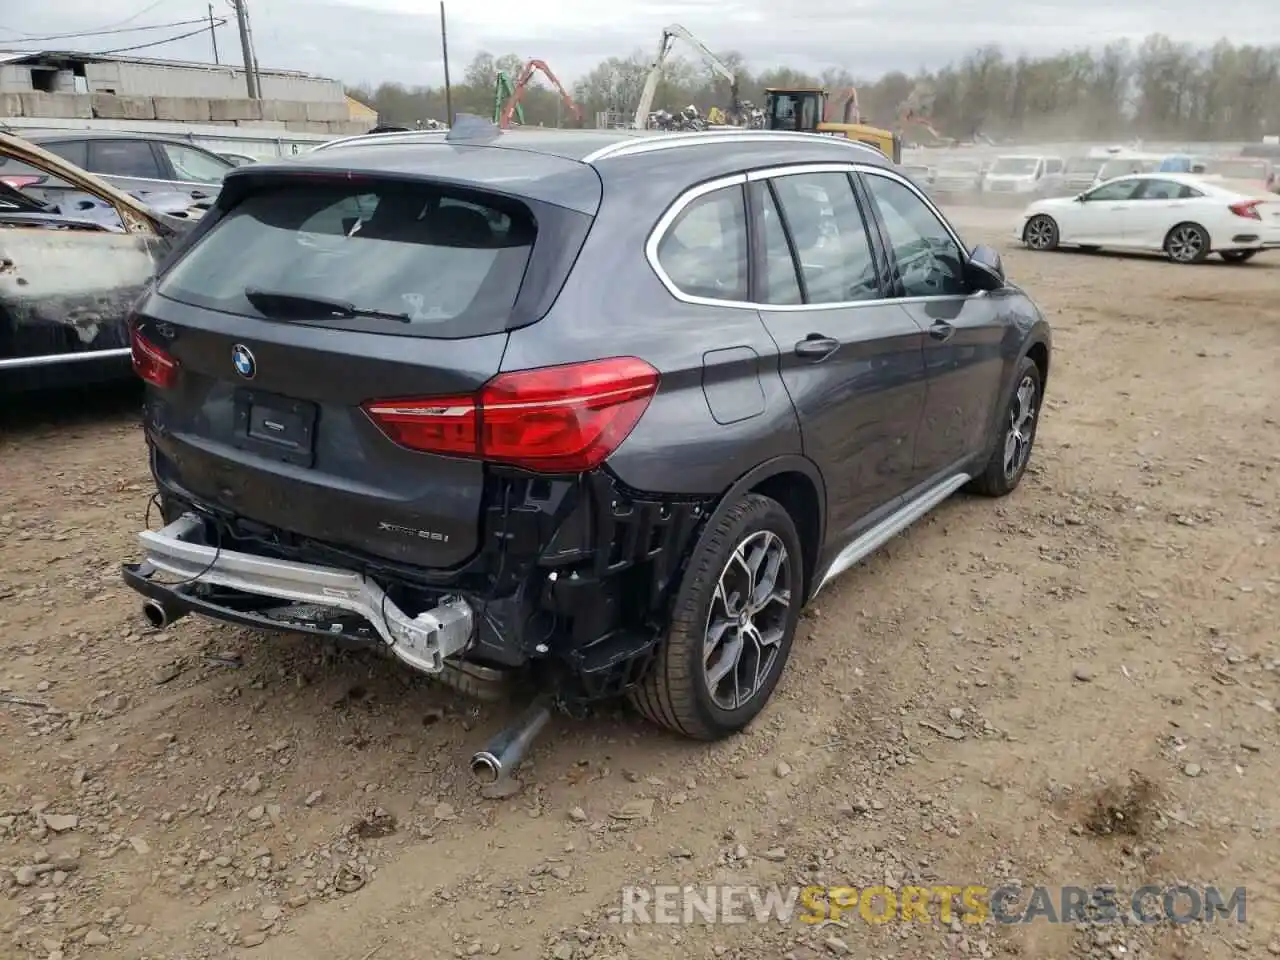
column 367, row 41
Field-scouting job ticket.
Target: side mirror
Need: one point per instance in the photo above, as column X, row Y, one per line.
column 985, row 269
column 1081, row 198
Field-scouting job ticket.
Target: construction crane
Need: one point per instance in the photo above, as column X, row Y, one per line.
column 504, row 89
column 517, row 94
column 669, row 35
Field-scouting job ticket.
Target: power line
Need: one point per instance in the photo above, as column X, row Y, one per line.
column 103, row 33
column 157, row 43
column 118, row 23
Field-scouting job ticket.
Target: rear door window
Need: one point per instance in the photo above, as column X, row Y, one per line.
column 124, row 158
column 404, row 258
column 829, row 237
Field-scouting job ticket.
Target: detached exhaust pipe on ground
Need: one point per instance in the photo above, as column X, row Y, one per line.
column 161, row 615
column 504, row 752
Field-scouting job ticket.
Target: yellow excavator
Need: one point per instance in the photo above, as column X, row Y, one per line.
column 808, row 109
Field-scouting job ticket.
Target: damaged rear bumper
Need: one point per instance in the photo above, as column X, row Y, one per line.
column 312, row 598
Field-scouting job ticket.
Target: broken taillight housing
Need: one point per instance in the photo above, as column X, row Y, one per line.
column 563, row 419
column 152, row 364
column 1247, row 209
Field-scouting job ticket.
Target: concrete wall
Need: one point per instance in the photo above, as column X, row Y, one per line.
column 126, row 78
column 308, row 117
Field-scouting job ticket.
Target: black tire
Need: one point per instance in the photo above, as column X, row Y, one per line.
column 1040, row 233
column 675, row 692
column 1237, row 256
column 996, row 480
column 1187, row 243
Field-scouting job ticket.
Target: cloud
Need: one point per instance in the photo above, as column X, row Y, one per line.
column 375, row 40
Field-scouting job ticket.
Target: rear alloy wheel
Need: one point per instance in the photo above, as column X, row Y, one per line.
column 732, row 626
column 1012, row 452
column 1187, row 243
column 1041, row 233
column 1237, row 256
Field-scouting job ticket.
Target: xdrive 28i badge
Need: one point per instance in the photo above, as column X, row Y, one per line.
column 242, row 360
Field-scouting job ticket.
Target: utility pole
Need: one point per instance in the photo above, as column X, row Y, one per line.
column 444, row 51
column 246, row 51
column 213, row 37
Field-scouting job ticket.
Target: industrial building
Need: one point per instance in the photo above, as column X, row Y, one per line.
column 66, row 89
column 65, row 72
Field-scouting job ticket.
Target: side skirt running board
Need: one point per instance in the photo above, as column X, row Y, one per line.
column 891, row 526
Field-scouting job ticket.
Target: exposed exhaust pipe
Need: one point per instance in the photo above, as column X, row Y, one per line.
column 161, row 615
column 505, row 751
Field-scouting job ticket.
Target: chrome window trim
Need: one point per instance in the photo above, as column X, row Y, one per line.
column 740, row 179
column 671, row 141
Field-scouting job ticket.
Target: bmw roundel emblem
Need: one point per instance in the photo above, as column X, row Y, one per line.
column 242, row 360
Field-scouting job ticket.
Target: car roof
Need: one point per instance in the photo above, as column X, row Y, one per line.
column 64, row 135
column 542, row 163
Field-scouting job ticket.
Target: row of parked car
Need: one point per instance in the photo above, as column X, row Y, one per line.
column 89, row 217
column 1040, row 175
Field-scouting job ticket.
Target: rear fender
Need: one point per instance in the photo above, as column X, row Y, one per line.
column 753, row 478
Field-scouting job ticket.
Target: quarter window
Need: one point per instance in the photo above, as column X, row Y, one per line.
column 75, row 152
column 704, row 252
column 829, row 237
column 929, row 260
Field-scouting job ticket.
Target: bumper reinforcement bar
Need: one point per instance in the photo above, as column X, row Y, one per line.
column 423, row 641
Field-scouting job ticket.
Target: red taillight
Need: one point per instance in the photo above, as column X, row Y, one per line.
column 150, row 362
column 18, row 182
column 564, row 419
column 1247, row 209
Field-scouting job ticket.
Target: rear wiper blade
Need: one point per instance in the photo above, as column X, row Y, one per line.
column 295, row 306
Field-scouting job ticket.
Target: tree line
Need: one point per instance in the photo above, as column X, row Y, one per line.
column 1157, row 89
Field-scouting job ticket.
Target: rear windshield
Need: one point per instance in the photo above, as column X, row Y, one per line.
column 407, row 258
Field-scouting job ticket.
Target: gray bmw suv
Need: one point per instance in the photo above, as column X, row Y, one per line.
column 596, row 411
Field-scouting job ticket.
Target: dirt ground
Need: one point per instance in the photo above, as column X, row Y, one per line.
column 1074, row 686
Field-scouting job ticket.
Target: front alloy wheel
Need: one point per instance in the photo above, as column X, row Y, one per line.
column 1022, row 421
column 1012, row 445
column 1040, row 233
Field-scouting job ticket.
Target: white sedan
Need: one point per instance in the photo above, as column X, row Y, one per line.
column 1184, row 216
